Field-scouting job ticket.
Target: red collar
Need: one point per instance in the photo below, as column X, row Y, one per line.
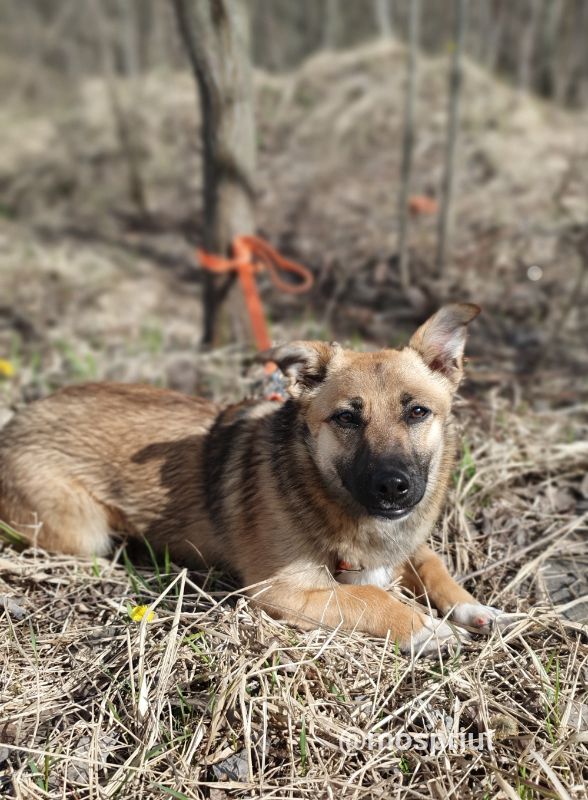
column 345, row 566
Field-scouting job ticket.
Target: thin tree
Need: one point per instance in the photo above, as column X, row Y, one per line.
column 527, row 45
column 554, row 73
column 494, row 35
column 125, row 128
column 408, row 141
column 383, row 18
column 332, row 25
column 216, row 34
column 455, row 87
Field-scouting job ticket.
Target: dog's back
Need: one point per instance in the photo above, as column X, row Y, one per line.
column 102, row 458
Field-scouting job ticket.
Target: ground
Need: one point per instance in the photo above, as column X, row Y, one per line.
column 205, row 697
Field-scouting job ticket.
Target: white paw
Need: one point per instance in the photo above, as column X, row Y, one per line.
column 482, row 618
column 434, row 636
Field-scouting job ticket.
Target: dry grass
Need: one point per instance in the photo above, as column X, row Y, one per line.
column 212, row 699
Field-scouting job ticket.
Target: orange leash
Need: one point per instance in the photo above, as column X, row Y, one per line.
column 250, row 256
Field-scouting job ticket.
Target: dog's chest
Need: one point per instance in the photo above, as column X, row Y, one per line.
column 376, row 576
column 376, row 553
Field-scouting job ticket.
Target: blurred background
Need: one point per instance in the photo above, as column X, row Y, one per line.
column 407, row 153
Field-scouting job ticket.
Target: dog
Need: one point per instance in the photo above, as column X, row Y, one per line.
column 317, row 503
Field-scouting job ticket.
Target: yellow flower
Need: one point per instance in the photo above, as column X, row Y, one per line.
column 138, row 612
column 6, row 369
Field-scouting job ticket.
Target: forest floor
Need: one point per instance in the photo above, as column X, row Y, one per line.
column 212, row 699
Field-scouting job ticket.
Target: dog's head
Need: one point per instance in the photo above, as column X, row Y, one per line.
column 376, row 421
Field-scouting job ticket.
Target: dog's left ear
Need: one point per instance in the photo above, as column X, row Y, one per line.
column 440, row 341
column 305, row 363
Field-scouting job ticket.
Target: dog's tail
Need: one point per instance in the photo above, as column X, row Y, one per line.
column 7, row 532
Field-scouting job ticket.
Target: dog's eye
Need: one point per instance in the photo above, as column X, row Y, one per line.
column 417, row 413
column 346, row 419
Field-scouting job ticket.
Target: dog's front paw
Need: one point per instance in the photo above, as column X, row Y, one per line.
column 435, row 636
column 482, row 619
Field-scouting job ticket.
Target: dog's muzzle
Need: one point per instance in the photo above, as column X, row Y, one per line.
column 387, row 489
column 389, row 492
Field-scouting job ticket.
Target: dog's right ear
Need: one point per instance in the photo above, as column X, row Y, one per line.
column 440, row 341
column 305, row 363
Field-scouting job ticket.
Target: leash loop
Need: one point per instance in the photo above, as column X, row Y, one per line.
column 251, row 255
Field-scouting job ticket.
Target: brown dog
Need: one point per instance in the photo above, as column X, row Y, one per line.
column 317, row 503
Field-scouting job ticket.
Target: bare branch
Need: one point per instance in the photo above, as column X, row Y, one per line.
column 408, row 142
column 455, row 85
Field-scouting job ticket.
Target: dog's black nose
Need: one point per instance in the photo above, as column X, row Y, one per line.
column 390, row 486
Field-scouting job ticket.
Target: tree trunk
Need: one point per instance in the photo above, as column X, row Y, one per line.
column 408, row 142
column 455, row 83
column 126, row 130
column 383, row 18
column 332, row 25
column 554, row 58
column 527, row 44
column 129, row 45
column 495, row 35
column 216, row 37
